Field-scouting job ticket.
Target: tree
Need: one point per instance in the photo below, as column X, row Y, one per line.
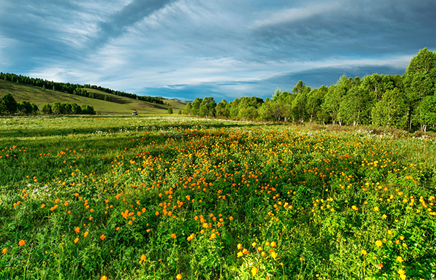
column 56, row 108
column 75, row 109
column 46, row 109
column 356, row 106
column 419, row 81
column 391, row 110
column 25, row 108
column 187, row 110
column 314, row 102
column 425, row 113
column 170, row 110
column 8, row 104
column 207, row 107
column 221, row 109
column 195, row 106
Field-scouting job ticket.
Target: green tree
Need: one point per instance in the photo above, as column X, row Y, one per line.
column 56, row 108
column 46, row 109
column 222, row 110
column 425, row 113
column 8, row 104
column 419, row 81
column 187, row 110
column 314, row 101
column 391, row 110
column 25, row 108
column 170, row 110
column 207, row 107
column 195, row 106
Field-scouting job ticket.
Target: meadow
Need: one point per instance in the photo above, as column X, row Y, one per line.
column 122, row 197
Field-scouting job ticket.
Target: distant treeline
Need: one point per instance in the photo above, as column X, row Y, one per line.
column 76, row 89
column 405, row 101
column 9, row 106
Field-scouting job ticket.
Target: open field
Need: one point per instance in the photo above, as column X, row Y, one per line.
column 166, row 197
column 121, row 105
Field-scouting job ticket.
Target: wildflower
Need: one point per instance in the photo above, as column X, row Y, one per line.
column 355, row 207
column 253, row 244
column 378, row 243
column 4, row 250
column 254, row 271
column 76, row 240
column 42, row 206
column 179, row 276
column 400, row 259
column 21, row 243
column 85, row 234
column 239, row 246
column 273, row 244
column 212, row 236
column 273, row 254
column 364, row 252
column 173, row 235
column 77, row 229
column 103, row 278
column 240, row 254
column 102, row 237
column 143, row 257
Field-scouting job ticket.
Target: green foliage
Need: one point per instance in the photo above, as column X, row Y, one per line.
column 187, row 110
column 151, row 198
column 8, row 105
column 391, row 110
column 170, row 110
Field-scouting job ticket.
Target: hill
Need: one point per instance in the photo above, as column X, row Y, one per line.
column 118, row 104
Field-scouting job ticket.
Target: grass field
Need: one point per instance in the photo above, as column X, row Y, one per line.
column 182, row 198
column 121, row 105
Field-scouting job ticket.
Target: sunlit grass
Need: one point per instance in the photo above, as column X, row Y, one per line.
column 160, row 198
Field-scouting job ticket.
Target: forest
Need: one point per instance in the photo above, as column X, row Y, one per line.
column 405, row 101
column 75, row 89
column 9, row 106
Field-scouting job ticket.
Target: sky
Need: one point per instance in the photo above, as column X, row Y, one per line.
column 225, row 49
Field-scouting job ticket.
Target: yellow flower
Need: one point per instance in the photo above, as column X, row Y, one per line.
column 378, row 243
column 143, row 257
column 400, row 259
column 354, row 207
column 239, row 246
column 85, row 234
column 103, row 278
column 239, row 254
column 76, row 240
column 4, row 250
column 21, row 243
column 273, row 254
column 273, row 244
column 364, row 252
column 254, row 271
column 179, row 276
column 77, row 229
column 253, row 244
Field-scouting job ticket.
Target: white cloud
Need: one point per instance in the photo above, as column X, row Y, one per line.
column 294, row 14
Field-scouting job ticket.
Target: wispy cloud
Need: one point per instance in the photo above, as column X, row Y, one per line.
column 228, row 48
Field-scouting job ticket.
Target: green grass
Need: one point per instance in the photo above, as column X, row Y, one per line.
column 121, row 105
column 92, row 196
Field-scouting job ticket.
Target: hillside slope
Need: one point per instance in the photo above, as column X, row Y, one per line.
column 119, row 104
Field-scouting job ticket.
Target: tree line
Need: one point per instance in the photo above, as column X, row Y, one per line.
column 405, row 101
column 75, row 89
column 9, row 106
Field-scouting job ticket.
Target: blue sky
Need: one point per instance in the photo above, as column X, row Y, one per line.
column 225, row 49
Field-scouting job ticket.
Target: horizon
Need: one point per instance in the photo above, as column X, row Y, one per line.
column 186, row 49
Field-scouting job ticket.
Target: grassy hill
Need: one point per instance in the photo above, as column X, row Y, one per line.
column 119, row 104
